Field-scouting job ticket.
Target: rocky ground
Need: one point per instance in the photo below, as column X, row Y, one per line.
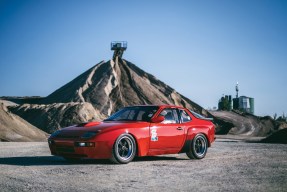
column 230, row 165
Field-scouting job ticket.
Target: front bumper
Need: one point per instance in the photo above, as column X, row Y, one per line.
column 71, row 149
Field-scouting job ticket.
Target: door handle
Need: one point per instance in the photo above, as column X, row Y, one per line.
column 179, row 128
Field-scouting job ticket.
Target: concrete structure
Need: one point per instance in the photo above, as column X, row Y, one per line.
column 244, row 104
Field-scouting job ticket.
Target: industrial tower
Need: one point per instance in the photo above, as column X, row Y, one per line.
column 118, row 47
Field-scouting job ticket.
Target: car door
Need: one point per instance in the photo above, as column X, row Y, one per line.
column 169, row 133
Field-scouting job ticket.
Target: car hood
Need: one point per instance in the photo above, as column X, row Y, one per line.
column 104, row 126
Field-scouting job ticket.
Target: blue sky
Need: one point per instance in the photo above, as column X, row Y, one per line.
column 200, row 48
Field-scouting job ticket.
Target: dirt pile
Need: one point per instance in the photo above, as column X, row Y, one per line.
column 51, row 117
column 110, row 85
column 279, row 136
column 237, row 123
column 14, row 128
column 95, row 94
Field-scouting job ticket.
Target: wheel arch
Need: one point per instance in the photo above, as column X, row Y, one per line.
column 191, row 133
column 140, row 135
column 142, row 138
column 137, row 144
column 140, row 150
column 207, row 138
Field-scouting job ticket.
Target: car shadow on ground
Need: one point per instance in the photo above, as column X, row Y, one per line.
column 53, row 160
column 158, row 158
column 45, row 160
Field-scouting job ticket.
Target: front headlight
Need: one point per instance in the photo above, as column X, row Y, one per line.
column 51, row 142
column 89, row 135
column 84, row 144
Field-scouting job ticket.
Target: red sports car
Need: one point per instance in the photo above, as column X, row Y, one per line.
column 136, row 131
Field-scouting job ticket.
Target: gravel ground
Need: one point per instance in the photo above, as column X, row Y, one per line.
column 228, row 166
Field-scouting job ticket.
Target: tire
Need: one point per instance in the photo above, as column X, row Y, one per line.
column 124, row 149
column 198, row 147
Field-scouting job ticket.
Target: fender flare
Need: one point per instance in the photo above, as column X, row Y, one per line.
column 191, row 133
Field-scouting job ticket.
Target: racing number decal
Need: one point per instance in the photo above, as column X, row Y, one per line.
column 153, row 134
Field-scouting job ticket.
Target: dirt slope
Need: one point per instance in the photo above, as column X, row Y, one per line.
column 52, row 117
column 14, row 128
column 235, row 123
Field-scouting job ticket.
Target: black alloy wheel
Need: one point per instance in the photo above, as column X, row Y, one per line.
column 198, row 147
column 124, row 149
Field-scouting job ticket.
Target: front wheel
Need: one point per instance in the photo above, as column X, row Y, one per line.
column 198, row 147
column 124, row 149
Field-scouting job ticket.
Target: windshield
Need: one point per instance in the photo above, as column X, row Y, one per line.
column 137, row 113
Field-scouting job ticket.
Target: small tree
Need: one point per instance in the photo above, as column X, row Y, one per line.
column 284, row 117
column 275, row 116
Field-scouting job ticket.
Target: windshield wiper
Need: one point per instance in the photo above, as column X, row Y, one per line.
column 108, row 120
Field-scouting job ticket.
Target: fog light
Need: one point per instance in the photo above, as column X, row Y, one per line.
column 84, row 144
column 89, row 144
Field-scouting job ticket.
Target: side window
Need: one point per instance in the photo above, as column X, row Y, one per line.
column 128, row 115
column 184, row 116
column 170, row 116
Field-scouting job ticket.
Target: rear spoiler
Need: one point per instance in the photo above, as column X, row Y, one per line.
column 208, row 119
column 200, row 116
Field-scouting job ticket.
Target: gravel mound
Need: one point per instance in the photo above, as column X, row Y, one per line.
column 52, row 117
column 14, row 128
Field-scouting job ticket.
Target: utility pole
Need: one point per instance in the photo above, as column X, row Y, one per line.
column 237, row 89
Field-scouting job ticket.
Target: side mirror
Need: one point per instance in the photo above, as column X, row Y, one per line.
column 157, row 119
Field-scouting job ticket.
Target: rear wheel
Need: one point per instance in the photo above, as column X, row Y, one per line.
column 198, row 147
column 124, row 149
